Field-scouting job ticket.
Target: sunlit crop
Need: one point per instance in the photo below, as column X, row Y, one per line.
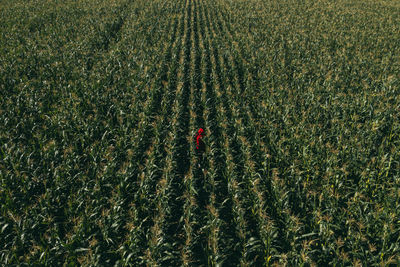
column 103, row 163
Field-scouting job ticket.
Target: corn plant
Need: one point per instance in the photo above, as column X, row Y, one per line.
column 298, row 105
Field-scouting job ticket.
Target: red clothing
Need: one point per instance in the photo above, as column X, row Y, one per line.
column 200, row 146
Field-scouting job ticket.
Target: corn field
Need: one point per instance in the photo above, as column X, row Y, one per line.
column 100, row 102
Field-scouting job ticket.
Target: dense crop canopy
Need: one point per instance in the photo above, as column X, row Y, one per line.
column 199, row 132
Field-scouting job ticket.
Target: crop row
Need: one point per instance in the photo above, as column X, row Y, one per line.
column 287, row 76
column 100, row 102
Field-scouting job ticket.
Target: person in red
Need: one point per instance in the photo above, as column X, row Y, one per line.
column 200, row 145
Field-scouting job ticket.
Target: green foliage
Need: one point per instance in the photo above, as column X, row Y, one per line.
column 300, row 104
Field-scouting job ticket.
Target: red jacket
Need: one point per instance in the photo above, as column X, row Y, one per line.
column 200, row 145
